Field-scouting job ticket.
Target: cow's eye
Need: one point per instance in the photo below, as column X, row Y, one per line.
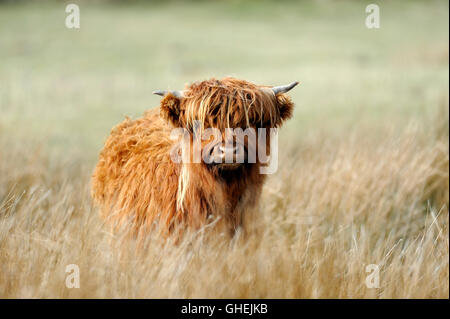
column 248, row 96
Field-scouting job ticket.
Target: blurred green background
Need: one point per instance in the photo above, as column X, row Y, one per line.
column 66, row 88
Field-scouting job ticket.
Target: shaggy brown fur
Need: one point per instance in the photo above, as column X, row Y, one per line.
column 136, row 182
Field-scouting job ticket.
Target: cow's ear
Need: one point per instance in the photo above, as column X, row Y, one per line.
column 285, row 107
column 170, row 109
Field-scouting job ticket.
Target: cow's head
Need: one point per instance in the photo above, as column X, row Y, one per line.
column 223, row 104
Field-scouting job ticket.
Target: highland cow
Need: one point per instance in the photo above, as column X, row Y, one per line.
column 138, row 184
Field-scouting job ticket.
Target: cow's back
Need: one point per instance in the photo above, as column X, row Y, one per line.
column 135, row 181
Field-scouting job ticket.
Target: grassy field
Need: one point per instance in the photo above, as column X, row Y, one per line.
column 363, row 172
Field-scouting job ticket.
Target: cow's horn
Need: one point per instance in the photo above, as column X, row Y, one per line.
column 178, row 94
column 283, row 88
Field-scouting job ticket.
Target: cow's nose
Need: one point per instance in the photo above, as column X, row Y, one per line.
column 227, row 151
column 227, row 154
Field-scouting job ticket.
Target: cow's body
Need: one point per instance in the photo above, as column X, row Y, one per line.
column 137, row 183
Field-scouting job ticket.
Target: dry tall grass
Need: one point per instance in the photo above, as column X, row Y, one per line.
column 336, row 205
column 345, row 196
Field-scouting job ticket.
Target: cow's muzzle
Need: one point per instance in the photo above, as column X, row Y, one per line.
column 226, row 156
